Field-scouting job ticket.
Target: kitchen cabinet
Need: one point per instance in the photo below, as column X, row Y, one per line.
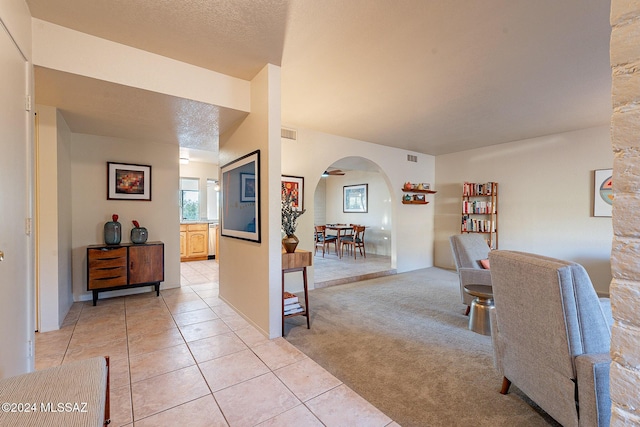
column 194, row 242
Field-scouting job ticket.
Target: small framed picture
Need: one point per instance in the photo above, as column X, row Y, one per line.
column 355, row 198
column 128, row 181
column 247, row 187
column 294, row 185
column 603, row 192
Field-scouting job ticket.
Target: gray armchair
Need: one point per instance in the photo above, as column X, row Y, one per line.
column 468, row 250
column 551, row 336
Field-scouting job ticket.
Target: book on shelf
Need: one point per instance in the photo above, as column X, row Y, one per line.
column 289, row 298
column 291, row 305
column 295, row 310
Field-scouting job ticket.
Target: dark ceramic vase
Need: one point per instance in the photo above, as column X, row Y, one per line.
column 139, row 235
column 112, row 233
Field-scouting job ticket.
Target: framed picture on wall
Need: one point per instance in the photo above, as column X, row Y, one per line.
column 354, row 198
column 247, row 187
column 240, row 192
column 294, row 185
column 128, row 181
column 603, row 192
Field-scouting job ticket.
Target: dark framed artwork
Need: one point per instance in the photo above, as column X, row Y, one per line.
column 128, row 181
column 354, row 198
column 240, row 192
column 294, row 185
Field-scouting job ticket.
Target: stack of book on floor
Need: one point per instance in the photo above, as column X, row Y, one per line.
column 291, row 304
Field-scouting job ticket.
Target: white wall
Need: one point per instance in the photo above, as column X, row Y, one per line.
column 16, row 139
column 53, row 218
column 91, row 209
column 65, row 214
column 201, row 171
column 320, row 203
column 545, row 197
column 250, row 272
column 377, row 219
column 313, row 152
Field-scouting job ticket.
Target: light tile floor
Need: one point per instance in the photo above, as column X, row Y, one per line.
column 187, row 358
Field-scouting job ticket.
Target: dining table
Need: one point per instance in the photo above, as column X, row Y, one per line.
column 341, row 231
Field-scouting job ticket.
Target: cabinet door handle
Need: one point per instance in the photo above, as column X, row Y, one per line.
column 131, row 265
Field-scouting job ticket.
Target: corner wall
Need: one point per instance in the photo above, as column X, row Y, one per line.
column 250, row 272
column 53, row 218
column 91, row 209
column 545, row 198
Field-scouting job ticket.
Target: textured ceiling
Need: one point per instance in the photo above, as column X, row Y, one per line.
column 424, row 75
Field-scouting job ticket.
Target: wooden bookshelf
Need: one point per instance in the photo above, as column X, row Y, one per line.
column 480, row 210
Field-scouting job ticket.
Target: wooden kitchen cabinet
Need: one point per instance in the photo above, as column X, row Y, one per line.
column 183, row 241
column 196, row 242
column 111, row 267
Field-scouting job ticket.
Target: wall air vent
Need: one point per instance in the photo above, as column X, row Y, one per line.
column 412, row 158
column 289, row 133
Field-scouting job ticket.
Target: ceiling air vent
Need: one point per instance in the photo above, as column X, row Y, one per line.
column 289, row 133
column 412, row 158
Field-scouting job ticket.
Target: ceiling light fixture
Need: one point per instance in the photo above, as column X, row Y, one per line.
column 184, row 160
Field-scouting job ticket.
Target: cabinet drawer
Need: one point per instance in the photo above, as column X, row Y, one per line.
column 108, row 278
column 108, row 254
column 198, row 227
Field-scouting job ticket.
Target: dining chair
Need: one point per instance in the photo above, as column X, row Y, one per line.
column 355, row 240
column 322, row 239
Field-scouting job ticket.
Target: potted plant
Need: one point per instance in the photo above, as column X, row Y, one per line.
column 289, row 221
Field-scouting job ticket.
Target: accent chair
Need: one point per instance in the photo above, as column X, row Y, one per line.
column 551, row 336
column 468, row 252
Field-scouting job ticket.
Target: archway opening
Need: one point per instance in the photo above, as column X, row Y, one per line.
column 353, row 191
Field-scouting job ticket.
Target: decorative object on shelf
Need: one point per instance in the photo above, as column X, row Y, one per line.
column 240, row 213
column 417, row 193
column 138, row 234
column 603, row 197
column 289, row 220
column 112, row 231
column 354, row 198
column 128, row 182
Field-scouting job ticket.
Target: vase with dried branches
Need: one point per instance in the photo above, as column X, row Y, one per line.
column 289, row 221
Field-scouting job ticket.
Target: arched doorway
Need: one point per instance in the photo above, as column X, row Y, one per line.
column 343, row 175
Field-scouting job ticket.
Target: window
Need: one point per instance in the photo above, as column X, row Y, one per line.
column 189, row 199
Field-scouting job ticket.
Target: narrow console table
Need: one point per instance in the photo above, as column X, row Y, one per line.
column 112, row 267
column 291, row 262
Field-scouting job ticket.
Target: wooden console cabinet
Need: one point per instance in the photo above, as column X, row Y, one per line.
column 111, row 267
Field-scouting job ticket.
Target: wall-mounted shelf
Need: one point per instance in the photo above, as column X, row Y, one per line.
column 415, row 198
column 419, row 191
column 414, row 202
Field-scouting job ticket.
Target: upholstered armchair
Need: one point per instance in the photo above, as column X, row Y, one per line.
column 551, row 336
column 468, row 252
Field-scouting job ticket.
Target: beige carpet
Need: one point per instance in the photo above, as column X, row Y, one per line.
column 402, row 343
